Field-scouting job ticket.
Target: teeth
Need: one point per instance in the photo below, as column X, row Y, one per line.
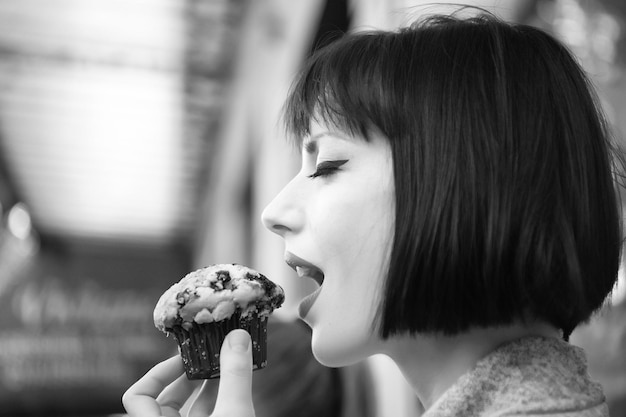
column 303, row 271
column 306, row 272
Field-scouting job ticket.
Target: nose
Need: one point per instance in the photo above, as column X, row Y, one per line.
column 284, row 214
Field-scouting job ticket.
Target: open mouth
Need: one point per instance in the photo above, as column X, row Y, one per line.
column 304, row 269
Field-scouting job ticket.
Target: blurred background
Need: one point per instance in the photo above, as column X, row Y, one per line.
column 140, row 139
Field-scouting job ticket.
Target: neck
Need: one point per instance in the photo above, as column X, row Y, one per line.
column 433, row 363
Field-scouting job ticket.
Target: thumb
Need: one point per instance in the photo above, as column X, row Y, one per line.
column 234, row 398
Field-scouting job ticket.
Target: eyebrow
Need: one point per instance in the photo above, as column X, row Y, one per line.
column 310, row 144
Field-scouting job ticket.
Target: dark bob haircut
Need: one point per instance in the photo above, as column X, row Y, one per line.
column 506, row 203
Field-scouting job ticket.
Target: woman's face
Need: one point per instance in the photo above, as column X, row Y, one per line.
column 336, row 217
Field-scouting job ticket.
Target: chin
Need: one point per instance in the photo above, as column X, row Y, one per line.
column 336, row 351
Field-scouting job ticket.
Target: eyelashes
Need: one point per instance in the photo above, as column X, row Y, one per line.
column 327, row 168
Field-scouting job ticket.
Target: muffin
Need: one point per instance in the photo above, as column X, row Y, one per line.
column 206, row 304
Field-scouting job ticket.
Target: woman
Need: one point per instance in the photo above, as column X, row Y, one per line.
column 456, row 204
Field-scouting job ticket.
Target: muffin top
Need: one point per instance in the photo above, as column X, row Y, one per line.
column 215, row 293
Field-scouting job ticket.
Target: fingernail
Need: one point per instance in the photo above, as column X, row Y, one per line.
column 239, row 341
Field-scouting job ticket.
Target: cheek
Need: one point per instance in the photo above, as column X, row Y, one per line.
column 354, row 228
column 356, row 250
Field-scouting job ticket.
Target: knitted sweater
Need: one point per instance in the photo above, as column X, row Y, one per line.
column 533, row 376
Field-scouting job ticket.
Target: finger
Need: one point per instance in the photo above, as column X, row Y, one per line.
column 205, row 400
column 234, row 398
column 140, row 399
column 175, row 395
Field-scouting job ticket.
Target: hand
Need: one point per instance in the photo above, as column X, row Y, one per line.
column 165, row 389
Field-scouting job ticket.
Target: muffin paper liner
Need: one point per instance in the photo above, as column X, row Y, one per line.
column 200, row 346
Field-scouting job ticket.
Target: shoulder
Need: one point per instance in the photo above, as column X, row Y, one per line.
column 527, row 377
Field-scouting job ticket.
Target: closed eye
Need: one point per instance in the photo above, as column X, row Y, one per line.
column 326, row 168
